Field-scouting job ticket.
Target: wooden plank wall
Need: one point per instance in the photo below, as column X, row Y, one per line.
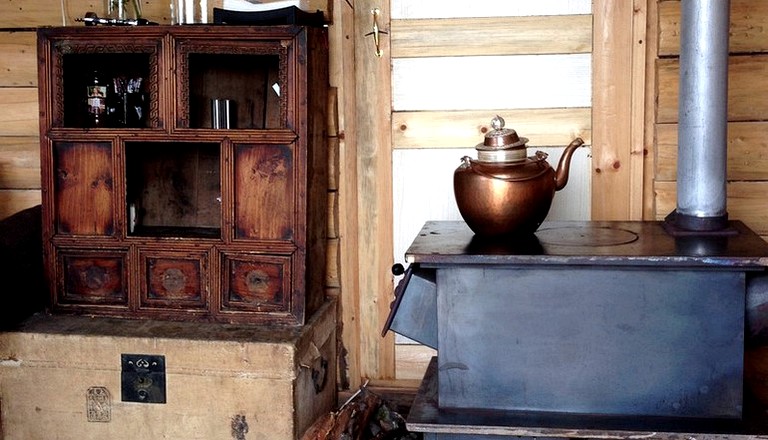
column 618, row 109
column 19, row 141
column 747, row 112
column 456, row 64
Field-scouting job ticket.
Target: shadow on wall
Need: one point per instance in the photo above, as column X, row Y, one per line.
column 757, row 309
column 23, row 290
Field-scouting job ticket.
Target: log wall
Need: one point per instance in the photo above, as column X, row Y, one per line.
column 19, row 141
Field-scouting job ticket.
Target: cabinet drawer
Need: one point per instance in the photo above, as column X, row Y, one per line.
column 255, row 283
column 173, row 279
column 92, row 277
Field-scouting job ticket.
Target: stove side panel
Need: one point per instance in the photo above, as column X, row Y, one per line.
column 634, row 341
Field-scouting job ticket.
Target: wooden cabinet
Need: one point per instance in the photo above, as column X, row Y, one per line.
column 153, row 212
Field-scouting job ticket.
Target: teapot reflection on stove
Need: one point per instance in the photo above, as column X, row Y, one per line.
column 504, row 192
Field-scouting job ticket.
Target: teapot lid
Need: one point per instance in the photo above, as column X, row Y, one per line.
column 501, row 144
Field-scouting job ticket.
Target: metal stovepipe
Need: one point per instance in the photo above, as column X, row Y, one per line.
column 702, row 136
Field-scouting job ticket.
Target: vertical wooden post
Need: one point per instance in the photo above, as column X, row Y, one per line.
column 649, row 121
column 374, row 189
column 342, row 73
column 618, row 82
column 365, row 189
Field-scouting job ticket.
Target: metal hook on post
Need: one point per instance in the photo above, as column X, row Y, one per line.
column 376, row 32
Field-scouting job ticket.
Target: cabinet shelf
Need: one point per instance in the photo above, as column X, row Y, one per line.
column 177, row 232
column 173, row 187
column 251, row 85
column 124, row 80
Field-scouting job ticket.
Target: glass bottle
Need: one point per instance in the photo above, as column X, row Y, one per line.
column 189, row 11
column 115, row 9
column 119, row 9
column 96, row 101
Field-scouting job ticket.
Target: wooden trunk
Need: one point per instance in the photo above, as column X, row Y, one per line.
column 64, row 377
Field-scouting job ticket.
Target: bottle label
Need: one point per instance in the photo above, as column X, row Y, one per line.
column 97, row 99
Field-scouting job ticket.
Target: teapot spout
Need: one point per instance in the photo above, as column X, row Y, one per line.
column 563, row 167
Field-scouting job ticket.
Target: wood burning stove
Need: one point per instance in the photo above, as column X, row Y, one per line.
column 583, row 326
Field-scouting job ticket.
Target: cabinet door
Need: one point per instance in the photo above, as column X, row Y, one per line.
column 265, row 193
column 84, row 188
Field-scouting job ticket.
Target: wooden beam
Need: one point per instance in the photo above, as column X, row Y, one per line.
column 748, row 30
column 747, row 151
column 374, row 190
column 412, row 361
column 19, row 162
column 18, row 62
column 637, row 145
column 343, row 78
column 491, row 36
column 651, row 45
column 14, row 200
column 19, row 111
column 460, row 129
column 747, row 88
column 618, row 74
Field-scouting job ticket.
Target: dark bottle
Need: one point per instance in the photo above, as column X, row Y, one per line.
column 116, row 102
column 96, row 101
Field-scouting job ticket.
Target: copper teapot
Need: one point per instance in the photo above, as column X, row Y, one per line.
column 504, row 192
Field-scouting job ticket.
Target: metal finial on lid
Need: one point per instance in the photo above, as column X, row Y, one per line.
column 497, row 123
column 501, row 144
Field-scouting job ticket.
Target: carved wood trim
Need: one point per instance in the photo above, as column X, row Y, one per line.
column 68, row 47
column 185, row 48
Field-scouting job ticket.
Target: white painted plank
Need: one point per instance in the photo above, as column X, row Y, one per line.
column 485, row 82
column 423, row 190
column 405, row 9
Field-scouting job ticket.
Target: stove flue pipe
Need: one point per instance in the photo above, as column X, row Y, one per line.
column 702, row 135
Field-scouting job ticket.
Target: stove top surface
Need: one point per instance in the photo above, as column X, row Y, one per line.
column 591, row 242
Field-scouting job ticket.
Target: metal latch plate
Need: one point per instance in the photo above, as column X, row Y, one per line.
column 142, row 378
